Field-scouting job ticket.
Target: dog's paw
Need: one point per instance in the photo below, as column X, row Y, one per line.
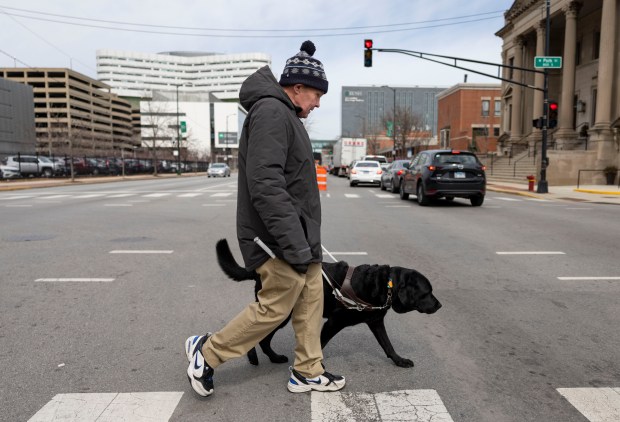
column 253, row 357
column 403, row 363
column 278, row 358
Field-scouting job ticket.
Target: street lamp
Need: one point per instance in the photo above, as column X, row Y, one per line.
column 226, row 137
column 178, row 134
column 393, row 119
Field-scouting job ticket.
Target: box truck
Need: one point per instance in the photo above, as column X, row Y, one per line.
column 345, row 151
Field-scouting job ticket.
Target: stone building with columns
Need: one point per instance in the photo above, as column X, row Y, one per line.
column 586, row 34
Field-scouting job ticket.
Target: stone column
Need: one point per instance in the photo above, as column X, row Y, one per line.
column 539, row 80
column 601, row 132
column 569, row 62
column 517, row 110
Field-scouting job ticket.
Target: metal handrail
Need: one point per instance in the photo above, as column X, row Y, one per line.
column 579, row 176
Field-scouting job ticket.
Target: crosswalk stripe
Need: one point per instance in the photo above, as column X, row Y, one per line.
column 52, row 197
column 596, row 404
column 90, row 195
column 155, row 195
column 351, row 195
column 121, row 195
column 189, row 195
column 10, row 198
column 222, row 194
column 403, row 405
column 135, row 407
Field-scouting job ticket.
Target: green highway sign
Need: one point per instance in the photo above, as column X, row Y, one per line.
column 547, row 62
column 183, row 127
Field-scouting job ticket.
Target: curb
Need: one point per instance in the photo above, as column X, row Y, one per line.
column 600, row 192
column 514, row 192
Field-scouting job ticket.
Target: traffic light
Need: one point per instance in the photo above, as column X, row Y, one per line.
column 368, row 53
column 553, row 114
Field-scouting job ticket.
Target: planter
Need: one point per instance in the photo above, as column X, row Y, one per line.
column 611, row 178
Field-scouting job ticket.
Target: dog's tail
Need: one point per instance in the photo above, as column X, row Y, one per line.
column 228, row 264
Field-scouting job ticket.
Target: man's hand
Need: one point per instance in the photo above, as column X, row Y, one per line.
column 300, row 268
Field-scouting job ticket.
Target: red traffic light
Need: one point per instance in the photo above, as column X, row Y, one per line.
column 553, row 106
column 367, row 43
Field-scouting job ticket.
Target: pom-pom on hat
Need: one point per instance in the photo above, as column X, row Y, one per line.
column 304, row 69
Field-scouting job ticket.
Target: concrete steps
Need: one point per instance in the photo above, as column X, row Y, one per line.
column 514, row 170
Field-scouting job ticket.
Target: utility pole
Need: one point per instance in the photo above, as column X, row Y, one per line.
column 178, row 135
column 393, row 121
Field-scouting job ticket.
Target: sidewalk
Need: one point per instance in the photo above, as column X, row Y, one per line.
column 21, row 184
column 585, row 193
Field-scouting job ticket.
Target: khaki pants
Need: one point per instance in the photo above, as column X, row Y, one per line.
column 283, row 290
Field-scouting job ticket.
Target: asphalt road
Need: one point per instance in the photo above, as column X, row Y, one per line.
column 513, row 329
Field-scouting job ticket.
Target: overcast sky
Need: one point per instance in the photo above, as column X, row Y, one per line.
column 337, row 27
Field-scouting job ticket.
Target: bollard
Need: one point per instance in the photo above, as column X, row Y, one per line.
column 321, row 177
column 530, row 182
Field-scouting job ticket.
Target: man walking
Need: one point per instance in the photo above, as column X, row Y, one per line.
column 278, row 205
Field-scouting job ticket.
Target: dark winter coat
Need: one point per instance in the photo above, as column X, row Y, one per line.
column 278, row 198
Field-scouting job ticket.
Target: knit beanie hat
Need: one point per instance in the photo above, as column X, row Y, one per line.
column 304, row 69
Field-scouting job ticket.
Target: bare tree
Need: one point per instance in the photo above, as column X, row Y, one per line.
column 159, row 127
column 406, row 125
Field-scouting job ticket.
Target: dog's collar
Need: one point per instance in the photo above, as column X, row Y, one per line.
column 349, row 299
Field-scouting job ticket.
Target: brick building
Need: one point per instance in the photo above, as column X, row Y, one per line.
column 469, row 117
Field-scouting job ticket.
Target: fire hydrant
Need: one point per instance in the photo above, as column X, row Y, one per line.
column 530, row 182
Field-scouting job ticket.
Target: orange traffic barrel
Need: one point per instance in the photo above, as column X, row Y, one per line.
column 321, row 177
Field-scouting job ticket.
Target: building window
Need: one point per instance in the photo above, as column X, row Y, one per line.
column 486, row 104
column 498, row 108
column 596, row 45
column 511, row 63
column 496, row 131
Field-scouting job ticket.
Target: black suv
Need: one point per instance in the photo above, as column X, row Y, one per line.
column 446, row 174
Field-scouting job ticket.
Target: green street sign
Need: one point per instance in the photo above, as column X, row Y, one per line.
column 183, row 127
column 390, row 127
column 547, row 62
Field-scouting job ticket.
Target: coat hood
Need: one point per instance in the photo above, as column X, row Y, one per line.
column 262, row 84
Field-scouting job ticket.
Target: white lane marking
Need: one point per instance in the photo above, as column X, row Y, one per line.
column 118, row 205
column 16, row 197
column 74, row 280
column 17, row 205
column 52, row 197
column 589, row 278
column 155, row 195
column 349, row 253
column 351, row 195
column 213, row 205
column 532, row 253
column 90, row 195
column 144, row 251
column 221, row 194
column 190, row 195
column 404, row 405
column 596, row 404
column 385, row 196
column 135, row 407
column 507, row 199
column 121, row 195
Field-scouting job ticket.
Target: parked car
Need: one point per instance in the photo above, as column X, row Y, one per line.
column 446, row 174
column 8, row 172
column 218, row 170
column 60, row 167
column 30, row 165
column 366, row 172
column 392, row 176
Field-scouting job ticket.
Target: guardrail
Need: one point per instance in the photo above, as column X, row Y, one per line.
column 579, row 176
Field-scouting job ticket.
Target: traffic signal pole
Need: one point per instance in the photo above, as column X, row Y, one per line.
column 543, row 185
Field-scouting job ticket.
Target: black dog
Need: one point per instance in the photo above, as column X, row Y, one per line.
column 411, row 292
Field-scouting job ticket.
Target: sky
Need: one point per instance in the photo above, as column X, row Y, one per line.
column 62, row 35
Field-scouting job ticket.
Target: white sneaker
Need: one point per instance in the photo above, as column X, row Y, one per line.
column 324, row 382
column 199, row 374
